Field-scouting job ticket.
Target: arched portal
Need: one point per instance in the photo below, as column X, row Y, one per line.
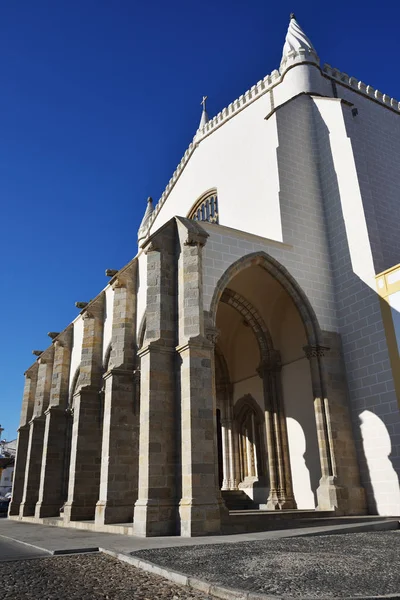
column 265, row 322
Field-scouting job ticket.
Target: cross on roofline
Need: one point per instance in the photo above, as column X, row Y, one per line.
column 203, row 102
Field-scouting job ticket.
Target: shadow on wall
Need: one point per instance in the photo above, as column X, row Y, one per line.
column 373, row 401
column 377, row 451
column 303, row 474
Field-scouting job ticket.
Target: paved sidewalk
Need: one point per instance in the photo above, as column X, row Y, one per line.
column 59, row 540
column 357, row 565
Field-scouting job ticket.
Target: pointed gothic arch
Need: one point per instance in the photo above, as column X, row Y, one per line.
column 287, row 281
column 252, row 317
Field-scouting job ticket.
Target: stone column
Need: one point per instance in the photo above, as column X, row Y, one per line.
column 84, row 471
column 155, row 511
column 52, row 470
column 120, row 445
column 225, row 455
column 233, row 483
column 36, row 434
column 200, row 506
column 23, row 439
column 340, row 487
column 281, row 489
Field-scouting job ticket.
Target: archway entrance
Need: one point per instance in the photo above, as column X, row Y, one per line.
column 269, row 447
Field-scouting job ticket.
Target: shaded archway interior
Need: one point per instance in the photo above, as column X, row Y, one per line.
column 264, row 394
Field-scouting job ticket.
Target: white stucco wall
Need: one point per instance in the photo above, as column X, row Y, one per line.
column 302, row 433
column 347, row 199
column 239, row 159
column 108, row 318
column 225, row 246
column 141, row 291
column 375, row 136
column 76, row 348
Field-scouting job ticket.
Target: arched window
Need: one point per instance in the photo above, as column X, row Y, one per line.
column 206, row 208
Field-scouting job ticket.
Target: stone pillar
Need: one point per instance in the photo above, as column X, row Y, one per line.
column 225, row 454
column 233, row 482
column 52, row 471
column 281, row 489
column 84, row 471
column 23, row 439
column 120, row 445
column 36, row 434
column 200, row 506
column 339, row 488
column 155, row 511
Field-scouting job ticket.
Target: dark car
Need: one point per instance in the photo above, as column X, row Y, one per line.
column 4, row 502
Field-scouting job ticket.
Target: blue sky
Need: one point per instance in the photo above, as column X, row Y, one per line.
column 98, row 102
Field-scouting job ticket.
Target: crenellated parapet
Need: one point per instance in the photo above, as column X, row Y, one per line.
column 360, row 87
column 227, row 113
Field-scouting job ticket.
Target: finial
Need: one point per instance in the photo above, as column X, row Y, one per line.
column 298, row 48
column 204, row 115
column 144, row 226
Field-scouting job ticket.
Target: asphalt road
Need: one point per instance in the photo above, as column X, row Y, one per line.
column 12, row 550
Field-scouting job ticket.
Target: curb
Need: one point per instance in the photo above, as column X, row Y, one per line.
column 219, row 591
column 52, row 552
column 7, row 537
column 200, row 585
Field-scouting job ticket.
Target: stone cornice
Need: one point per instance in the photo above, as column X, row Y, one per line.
column 155, row 347
column 198, row 342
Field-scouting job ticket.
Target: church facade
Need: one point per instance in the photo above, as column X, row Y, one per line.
column 250, row 349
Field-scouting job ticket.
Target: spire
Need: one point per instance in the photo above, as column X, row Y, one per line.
column 204, row 115
column 144, row 225
column 298, row 48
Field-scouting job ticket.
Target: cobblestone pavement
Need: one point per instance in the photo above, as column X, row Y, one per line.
column 85, row 577
column 330, row 566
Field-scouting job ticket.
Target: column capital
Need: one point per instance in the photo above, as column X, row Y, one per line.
column 192, row 234
column 271, row 362
column 315, row 351
column 212, row 334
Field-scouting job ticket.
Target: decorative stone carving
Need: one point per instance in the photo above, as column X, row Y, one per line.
column 271, row 362
column 53, row 334
column 145, row 224
column 315, row 351
column 212, row 334
column 37, row 352
column 81, row 304
column 111, row 272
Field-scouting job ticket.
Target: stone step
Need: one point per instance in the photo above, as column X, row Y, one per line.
column 238, row 500
column 254, row 521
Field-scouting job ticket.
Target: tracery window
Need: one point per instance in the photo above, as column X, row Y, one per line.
column 206, row 209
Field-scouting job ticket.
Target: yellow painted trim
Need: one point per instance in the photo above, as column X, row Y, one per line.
column 385, row 288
